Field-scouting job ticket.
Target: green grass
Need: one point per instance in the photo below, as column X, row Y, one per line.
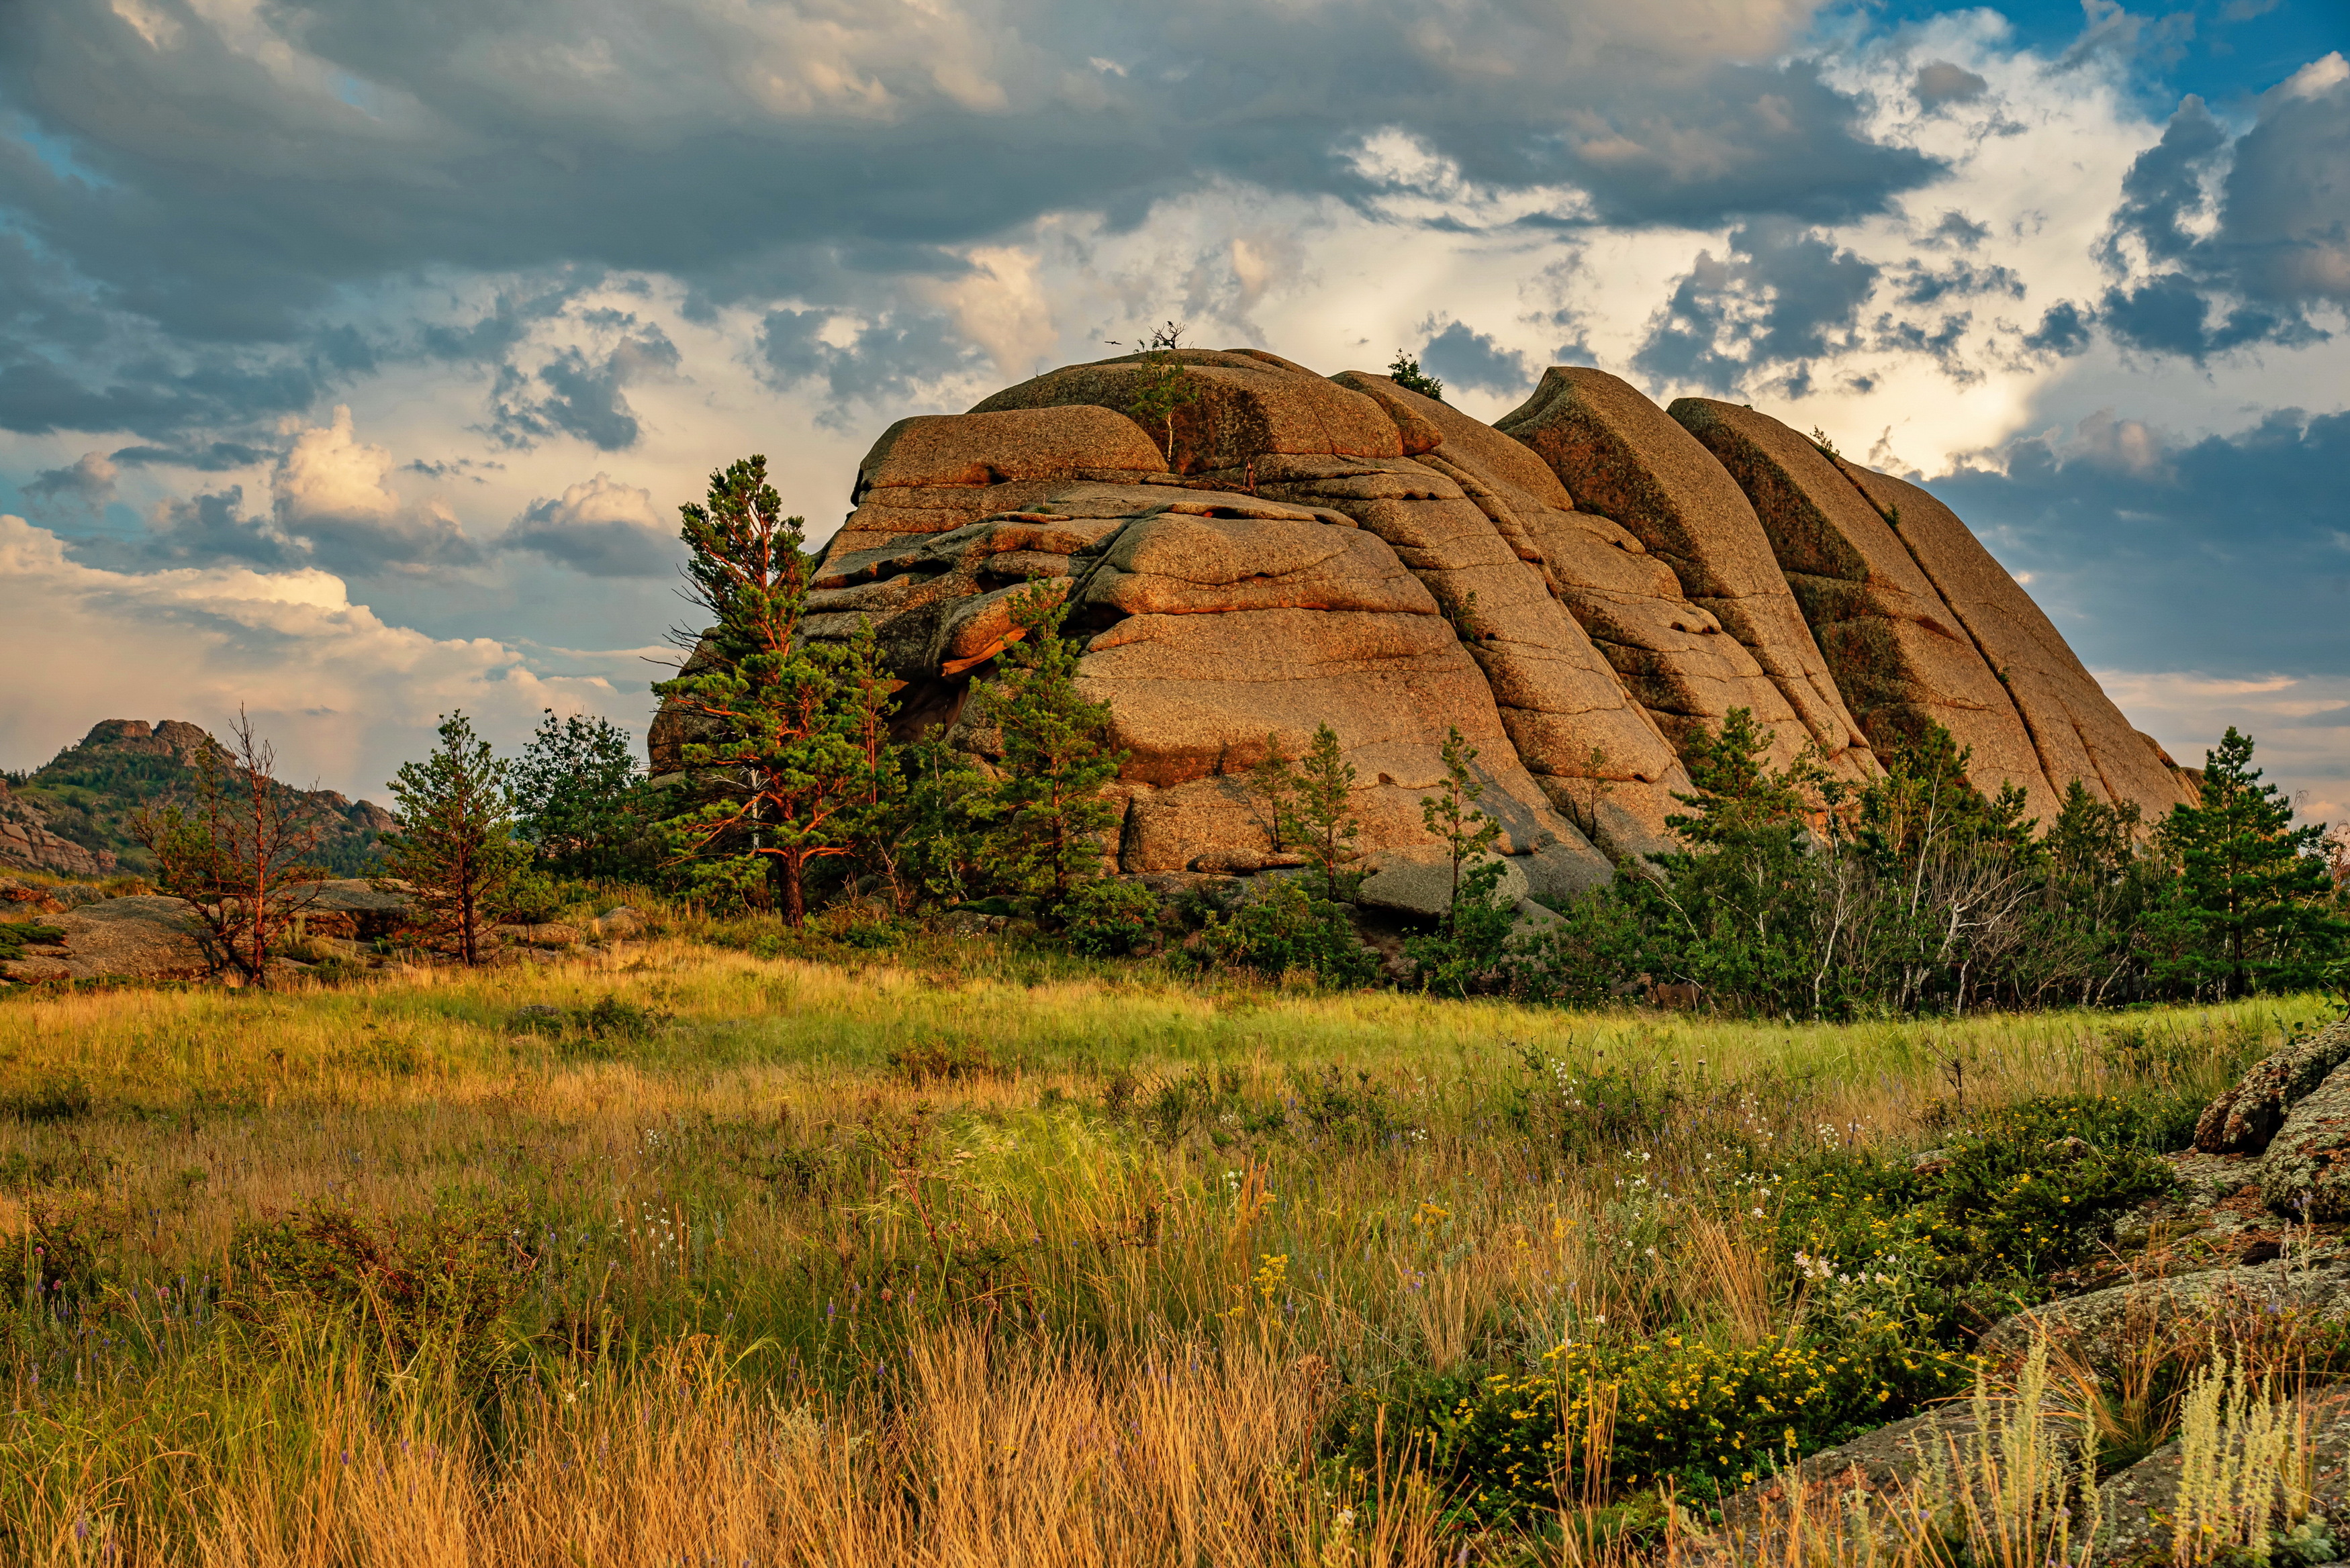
column 813, row 1169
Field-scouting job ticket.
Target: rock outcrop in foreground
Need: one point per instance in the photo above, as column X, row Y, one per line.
column 1577, row 589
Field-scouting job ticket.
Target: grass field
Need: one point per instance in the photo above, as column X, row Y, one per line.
column 961, row 1253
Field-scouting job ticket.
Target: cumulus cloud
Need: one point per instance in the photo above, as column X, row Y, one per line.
column 329, row 495
column 2222, row 240
column 578, row 395
column 1782, row 296
column 87, row 485
column 601, row 527
column 346, row 697
column 891, row 359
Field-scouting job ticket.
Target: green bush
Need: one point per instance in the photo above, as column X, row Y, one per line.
column 435, row 1282
column 1710, row 1419
column 16, row 936
column 1284, row 928
column 1107, row 917
column 1972, row 1232
column 1469, row 952
column 1585, row 961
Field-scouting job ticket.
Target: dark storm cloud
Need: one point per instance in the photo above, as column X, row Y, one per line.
column 210, row 529
column 1941, row 82
column 887, row 361
column 574, row 395
column 196, row 209
column 1783, row 296
column 2201, row 277
column 2230, row 554
column 1474, row 361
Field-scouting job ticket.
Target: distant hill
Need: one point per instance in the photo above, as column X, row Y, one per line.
column 72, row 816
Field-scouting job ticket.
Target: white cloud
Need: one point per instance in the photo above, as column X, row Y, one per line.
column 331, row 495
column 1000, row 304
column 601, row 527
column 346, row 697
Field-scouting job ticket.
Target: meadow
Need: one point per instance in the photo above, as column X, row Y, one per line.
column 970, row 1251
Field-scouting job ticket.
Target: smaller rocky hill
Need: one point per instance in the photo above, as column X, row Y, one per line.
column 72, row 816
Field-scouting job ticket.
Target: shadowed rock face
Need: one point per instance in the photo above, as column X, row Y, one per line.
column 1577, row 591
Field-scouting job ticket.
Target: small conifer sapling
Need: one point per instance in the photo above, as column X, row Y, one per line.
column 455, row 849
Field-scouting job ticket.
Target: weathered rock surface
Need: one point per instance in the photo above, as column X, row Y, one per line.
column 1578, row 592
column 27, row 842
column 2245, row 1118
column 2075, row 730
column 1421, row 884
column 1624, row 459
column 2096, row 1326
column 142, row 937
column 2139, row 1503
column 1900, row 655
column 938, row 471
column 2306, row 1172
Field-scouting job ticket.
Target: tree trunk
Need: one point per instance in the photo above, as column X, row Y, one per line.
column 794, row 890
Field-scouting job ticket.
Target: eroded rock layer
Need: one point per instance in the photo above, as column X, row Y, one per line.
column 1578, row 591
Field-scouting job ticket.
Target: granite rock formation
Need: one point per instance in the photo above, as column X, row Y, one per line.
column 1577, row 589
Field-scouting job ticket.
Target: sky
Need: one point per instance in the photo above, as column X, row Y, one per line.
column 357, row 353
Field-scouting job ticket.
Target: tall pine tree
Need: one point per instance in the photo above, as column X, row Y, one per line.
column 780, row 768
column 2253, row 890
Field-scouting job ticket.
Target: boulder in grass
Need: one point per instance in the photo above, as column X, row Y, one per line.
column 2097, row 1327
column 1421, row 884
column 144, row 937
column 2306, row 1173
column 1579, row 592
column 614, row 924
column 2248, row 1117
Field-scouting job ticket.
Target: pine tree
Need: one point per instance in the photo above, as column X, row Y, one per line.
column 1735, row 792
column 454, row 848
column 1169, row 386
column 2253, row 889
column 1272, row 794
column 580, row 799
column 1404, row 371
column 1320, row 820
column 1055, row 755
column 1453, row 815
column 782, row 769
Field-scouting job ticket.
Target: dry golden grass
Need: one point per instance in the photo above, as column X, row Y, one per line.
column 999, row 1316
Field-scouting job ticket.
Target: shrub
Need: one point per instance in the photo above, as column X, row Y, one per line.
column 2027, row 1190
column 436, row 1282
column 1286, row 928
column 1585, row 960
column 1106, row 916
column 16, row 936
column 1707, row 1418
